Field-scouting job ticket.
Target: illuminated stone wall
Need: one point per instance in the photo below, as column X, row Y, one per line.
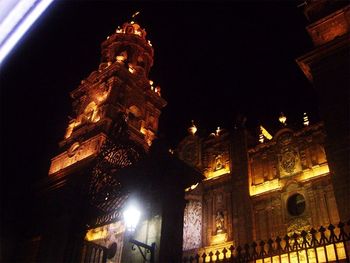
column 290, row 183
column 192, row 231
column 289, row 154
column 259, row 192
column 215, row 156
column 76, row 153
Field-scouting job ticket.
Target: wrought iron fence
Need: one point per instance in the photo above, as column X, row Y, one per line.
column 331, row 244
column 93, row 253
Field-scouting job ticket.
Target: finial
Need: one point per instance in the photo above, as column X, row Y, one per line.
column 261, row 137
column 151, row 84
column 217, row 132
column 192, row 129
column 264, row 134
column 133, row 17
column 283, row 119
column 306, row 119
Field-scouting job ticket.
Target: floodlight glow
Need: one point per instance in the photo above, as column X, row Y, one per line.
column 131, row 217
column 21, row 15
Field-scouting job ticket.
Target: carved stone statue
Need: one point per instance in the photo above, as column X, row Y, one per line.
column 218, row 162
column 219, row 222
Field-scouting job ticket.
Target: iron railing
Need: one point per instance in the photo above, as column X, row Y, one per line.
column 331, row 244
column 93, row 253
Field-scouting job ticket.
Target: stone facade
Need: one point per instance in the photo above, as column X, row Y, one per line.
column 287, row 187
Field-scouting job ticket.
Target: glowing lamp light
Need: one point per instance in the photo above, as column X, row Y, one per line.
column 131, row 218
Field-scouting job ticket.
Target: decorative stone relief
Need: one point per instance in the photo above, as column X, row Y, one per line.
column 288, row 157
column 297, row 225
column 192, row 232
column 76, row 153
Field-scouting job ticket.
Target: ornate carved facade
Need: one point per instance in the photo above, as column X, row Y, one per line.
column 287, row 187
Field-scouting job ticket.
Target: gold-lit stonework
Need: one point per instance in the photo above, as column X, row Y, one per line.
column 218, row 238
column 103, row 231
column 265, row 187
column 217, row 173
column 264, row 132
column 314, row 172
column 262, row 178
column 277, row 184
column 86, row 149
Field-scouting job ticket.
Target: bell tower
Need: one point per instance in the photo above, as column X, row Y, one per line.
column 119, row 89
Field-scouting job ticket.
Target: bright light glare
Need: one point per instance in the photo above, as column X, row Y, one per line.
column 22, row 14
column 131, row 217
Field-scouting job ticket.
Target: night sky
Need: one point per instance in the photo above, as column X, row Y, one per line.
column 213, row 62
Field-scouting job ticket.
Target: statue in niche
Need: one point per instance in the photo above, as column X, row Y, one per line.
column 218, row 162
column 219, row 222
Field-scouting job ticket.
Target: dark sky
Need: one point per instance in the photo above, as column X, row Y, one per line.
column 212, row 60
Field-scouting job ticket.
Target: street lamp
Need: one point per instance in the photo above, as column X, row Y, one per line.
column 131, row 218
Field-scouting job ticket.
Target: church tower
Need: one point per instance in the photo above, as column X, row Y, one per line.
column 114, row 121
column 119, row 89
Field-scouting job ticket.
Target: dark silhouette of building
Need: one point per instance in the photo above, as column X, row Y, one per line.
column 327, row 67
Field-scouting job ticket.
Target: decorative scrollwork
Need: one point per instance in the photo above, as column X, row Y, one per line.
column 117, row 152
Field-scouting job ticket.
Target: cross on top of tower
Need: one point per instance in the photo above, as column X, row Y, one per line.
column 134, row 15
